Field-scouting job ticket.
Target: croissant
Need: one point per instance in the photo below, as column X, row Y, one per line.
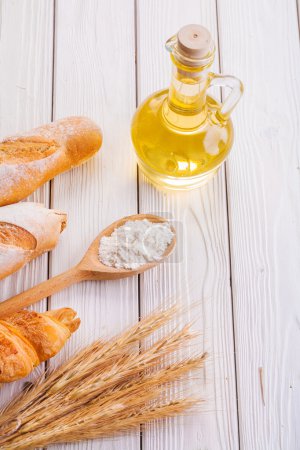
column 28, row 338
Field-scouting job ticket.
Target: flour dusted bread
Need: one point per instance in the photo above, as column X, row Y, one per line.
column 26, row 231
column 28, row 338
column 29, row 160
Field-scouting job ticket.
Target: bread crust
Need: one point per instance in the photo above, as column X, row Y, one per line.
column 27, row 230
column 28, row 338
column 29, row 160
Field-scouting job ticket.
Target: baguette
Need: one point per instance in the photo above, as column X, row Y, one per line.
column 26, row 231
column 29, row 160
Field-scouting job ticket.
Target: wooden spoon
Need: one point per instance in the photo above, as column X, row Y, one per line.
column 89, row 268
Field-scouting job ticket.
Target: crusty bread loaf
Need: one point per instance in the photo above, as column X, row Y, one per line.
column 26, row 231
column 29, row 160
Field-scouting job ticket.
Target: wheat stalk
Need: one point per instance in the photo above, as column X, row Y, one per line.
column 106, row 388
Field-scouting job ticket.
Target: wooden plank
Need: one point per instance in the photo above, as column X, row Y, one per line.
column 95, row 76
column 260, row 44
column 26, row 29
column 200, row 271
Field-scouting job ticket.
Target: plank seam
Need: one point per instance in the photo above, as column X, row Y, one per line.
column 52, row 118
column 137, row 168
column 229, row 244
column 49, row 259
column 298, row 16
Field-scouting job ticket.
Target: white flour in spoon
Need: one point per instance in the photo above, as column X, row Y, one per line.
column 135, row 243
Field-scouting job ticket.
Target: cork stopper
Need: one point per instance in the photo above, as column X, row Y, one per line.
column 194, row 42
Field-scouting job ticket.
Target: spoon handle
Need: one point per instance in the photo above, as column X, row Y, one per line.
column 40, row 291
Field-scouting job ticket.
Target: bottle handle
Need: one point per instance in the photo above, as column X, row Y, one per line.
column 233, row 98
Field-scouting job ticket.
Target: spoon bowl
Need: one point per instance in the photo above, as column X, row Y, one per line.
column 89, row 268
column 97, row 270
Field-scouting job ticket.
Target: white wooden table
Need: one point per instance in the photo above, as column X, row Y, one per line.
column 240, row 240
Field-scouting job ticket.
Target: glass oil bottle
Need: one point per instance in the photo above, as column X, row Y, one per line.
column 182, row 135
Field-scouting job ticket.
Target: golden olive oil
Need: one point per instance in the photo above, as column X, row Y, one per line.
column 176, row 156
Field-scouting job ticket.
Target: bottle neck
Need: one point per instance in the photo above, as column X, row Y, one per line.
column 186, row 103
